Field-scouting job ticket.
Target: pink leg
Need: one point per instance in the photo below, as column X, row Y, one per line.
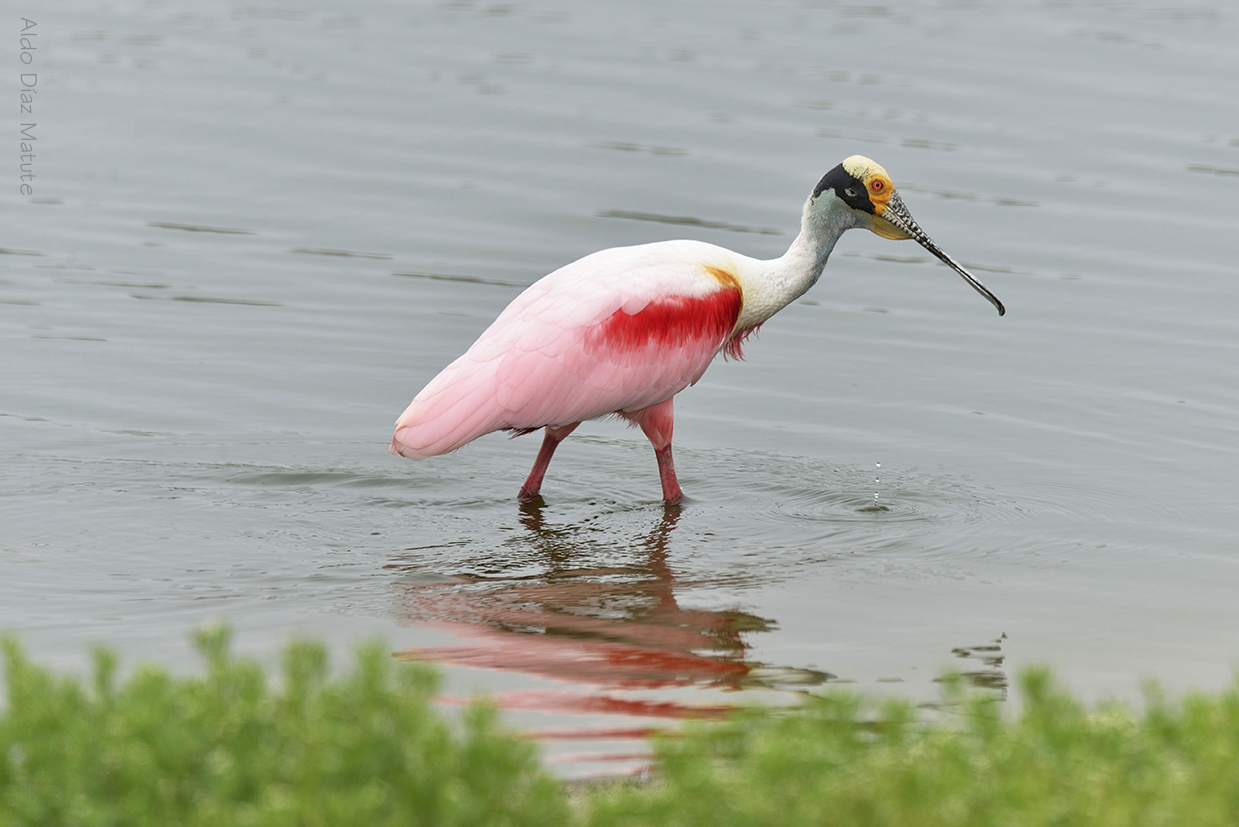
column 658, row 421
column 672, row 492
column 554, row 436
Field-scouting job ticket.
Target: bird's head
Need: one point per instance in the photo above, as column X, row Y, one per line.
column 864, row 190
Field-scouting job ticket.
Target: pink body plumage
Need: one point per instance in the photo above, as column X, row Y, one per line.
column 618, row 332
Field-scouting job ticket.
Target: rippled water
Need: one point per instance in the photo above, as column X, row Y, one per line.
column 256, row 231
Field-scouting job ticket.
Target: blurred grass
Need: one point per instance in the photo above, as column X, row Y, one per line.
column 842, row 760
column 367, row 746
column 227, row 749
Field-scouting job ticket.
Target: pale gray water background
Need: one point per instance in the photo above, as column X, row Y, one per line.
column 195, row 423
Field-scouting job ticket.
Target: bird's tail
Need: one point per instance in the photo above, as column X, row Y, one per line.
column 457, row 407
column 404, row 448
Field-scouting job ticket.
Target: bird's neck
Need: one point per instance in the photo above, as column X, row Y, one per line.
column 777, row 283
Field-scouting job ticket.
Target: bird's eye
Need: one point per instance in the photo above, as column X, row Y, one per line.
column 851, row 193
column 877, row 186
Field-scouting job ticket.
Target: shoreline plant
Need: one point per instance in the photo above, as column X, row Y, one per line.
column 237, row 745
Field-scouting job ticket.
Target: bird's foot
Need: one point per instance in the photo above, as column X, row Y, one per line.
column 530, row 497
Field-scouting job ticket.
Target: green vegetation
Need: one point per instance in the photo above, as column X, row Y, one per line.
column 841, row 761
column 368, row 748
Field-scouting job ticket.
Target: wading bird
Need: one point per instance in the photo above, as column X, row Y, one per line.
column 622, row 331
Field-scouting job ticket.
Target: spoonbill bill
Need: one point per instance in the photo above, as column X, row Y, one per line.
column 622, row 331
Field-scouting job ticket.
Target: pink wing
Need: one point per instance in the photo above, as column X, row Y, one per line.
column 619, row 330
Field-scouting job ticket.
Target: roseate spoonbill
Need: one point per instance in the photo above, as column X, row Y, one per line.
column 622, row 331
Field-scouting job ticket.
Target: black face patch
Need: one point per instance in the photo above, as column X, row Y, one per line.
column 849, row 189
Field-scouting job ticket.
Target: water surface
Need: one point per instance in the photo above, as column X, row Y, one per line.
column 256, row 232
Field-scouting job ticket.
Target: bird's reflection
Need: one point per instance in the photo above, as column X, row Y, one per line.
column 617, row 625
column 605, row 617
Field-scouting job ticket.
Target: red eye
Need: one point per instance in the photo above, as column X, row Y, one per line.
column 876, row 186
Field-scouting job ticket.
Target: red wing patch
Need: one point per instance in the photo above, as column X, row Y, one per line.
column 672, row 322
